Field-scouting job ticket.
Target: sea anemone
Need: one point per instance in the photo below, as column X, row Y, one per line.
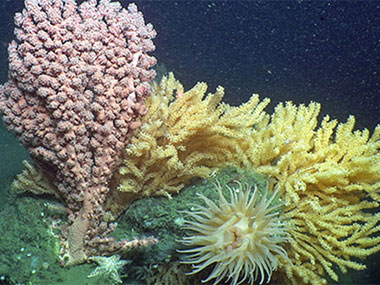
column 242, row 238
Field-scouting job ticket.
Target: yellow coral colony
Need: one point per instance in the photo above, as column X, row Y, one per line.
column 329, row 178
column 243, row 238
column 183, row 135
column 33, row 180
column 328, row 175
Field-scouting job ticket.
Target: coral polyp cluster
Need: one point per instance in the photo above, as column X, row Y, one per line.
column 242, row 239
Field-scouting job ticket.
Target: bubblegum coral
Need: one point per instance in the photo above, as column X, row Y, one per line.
column 77, row 79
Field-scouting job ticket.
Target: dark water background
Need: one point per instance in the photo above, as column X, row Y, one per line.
column 324, row 51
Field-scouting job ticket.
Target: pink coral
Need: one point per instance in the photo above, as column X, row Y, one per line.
column 77, row 79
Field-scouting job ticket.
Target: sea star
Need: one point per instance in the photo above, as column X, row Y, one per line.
column 108, row 266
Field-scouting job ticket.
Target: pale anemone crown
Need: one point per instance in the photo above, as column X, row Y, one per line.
column 242, row 238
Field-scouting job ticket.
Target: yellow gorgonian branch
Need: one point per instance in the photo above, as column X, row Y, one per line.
column 183, row 135
column 329, row 176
